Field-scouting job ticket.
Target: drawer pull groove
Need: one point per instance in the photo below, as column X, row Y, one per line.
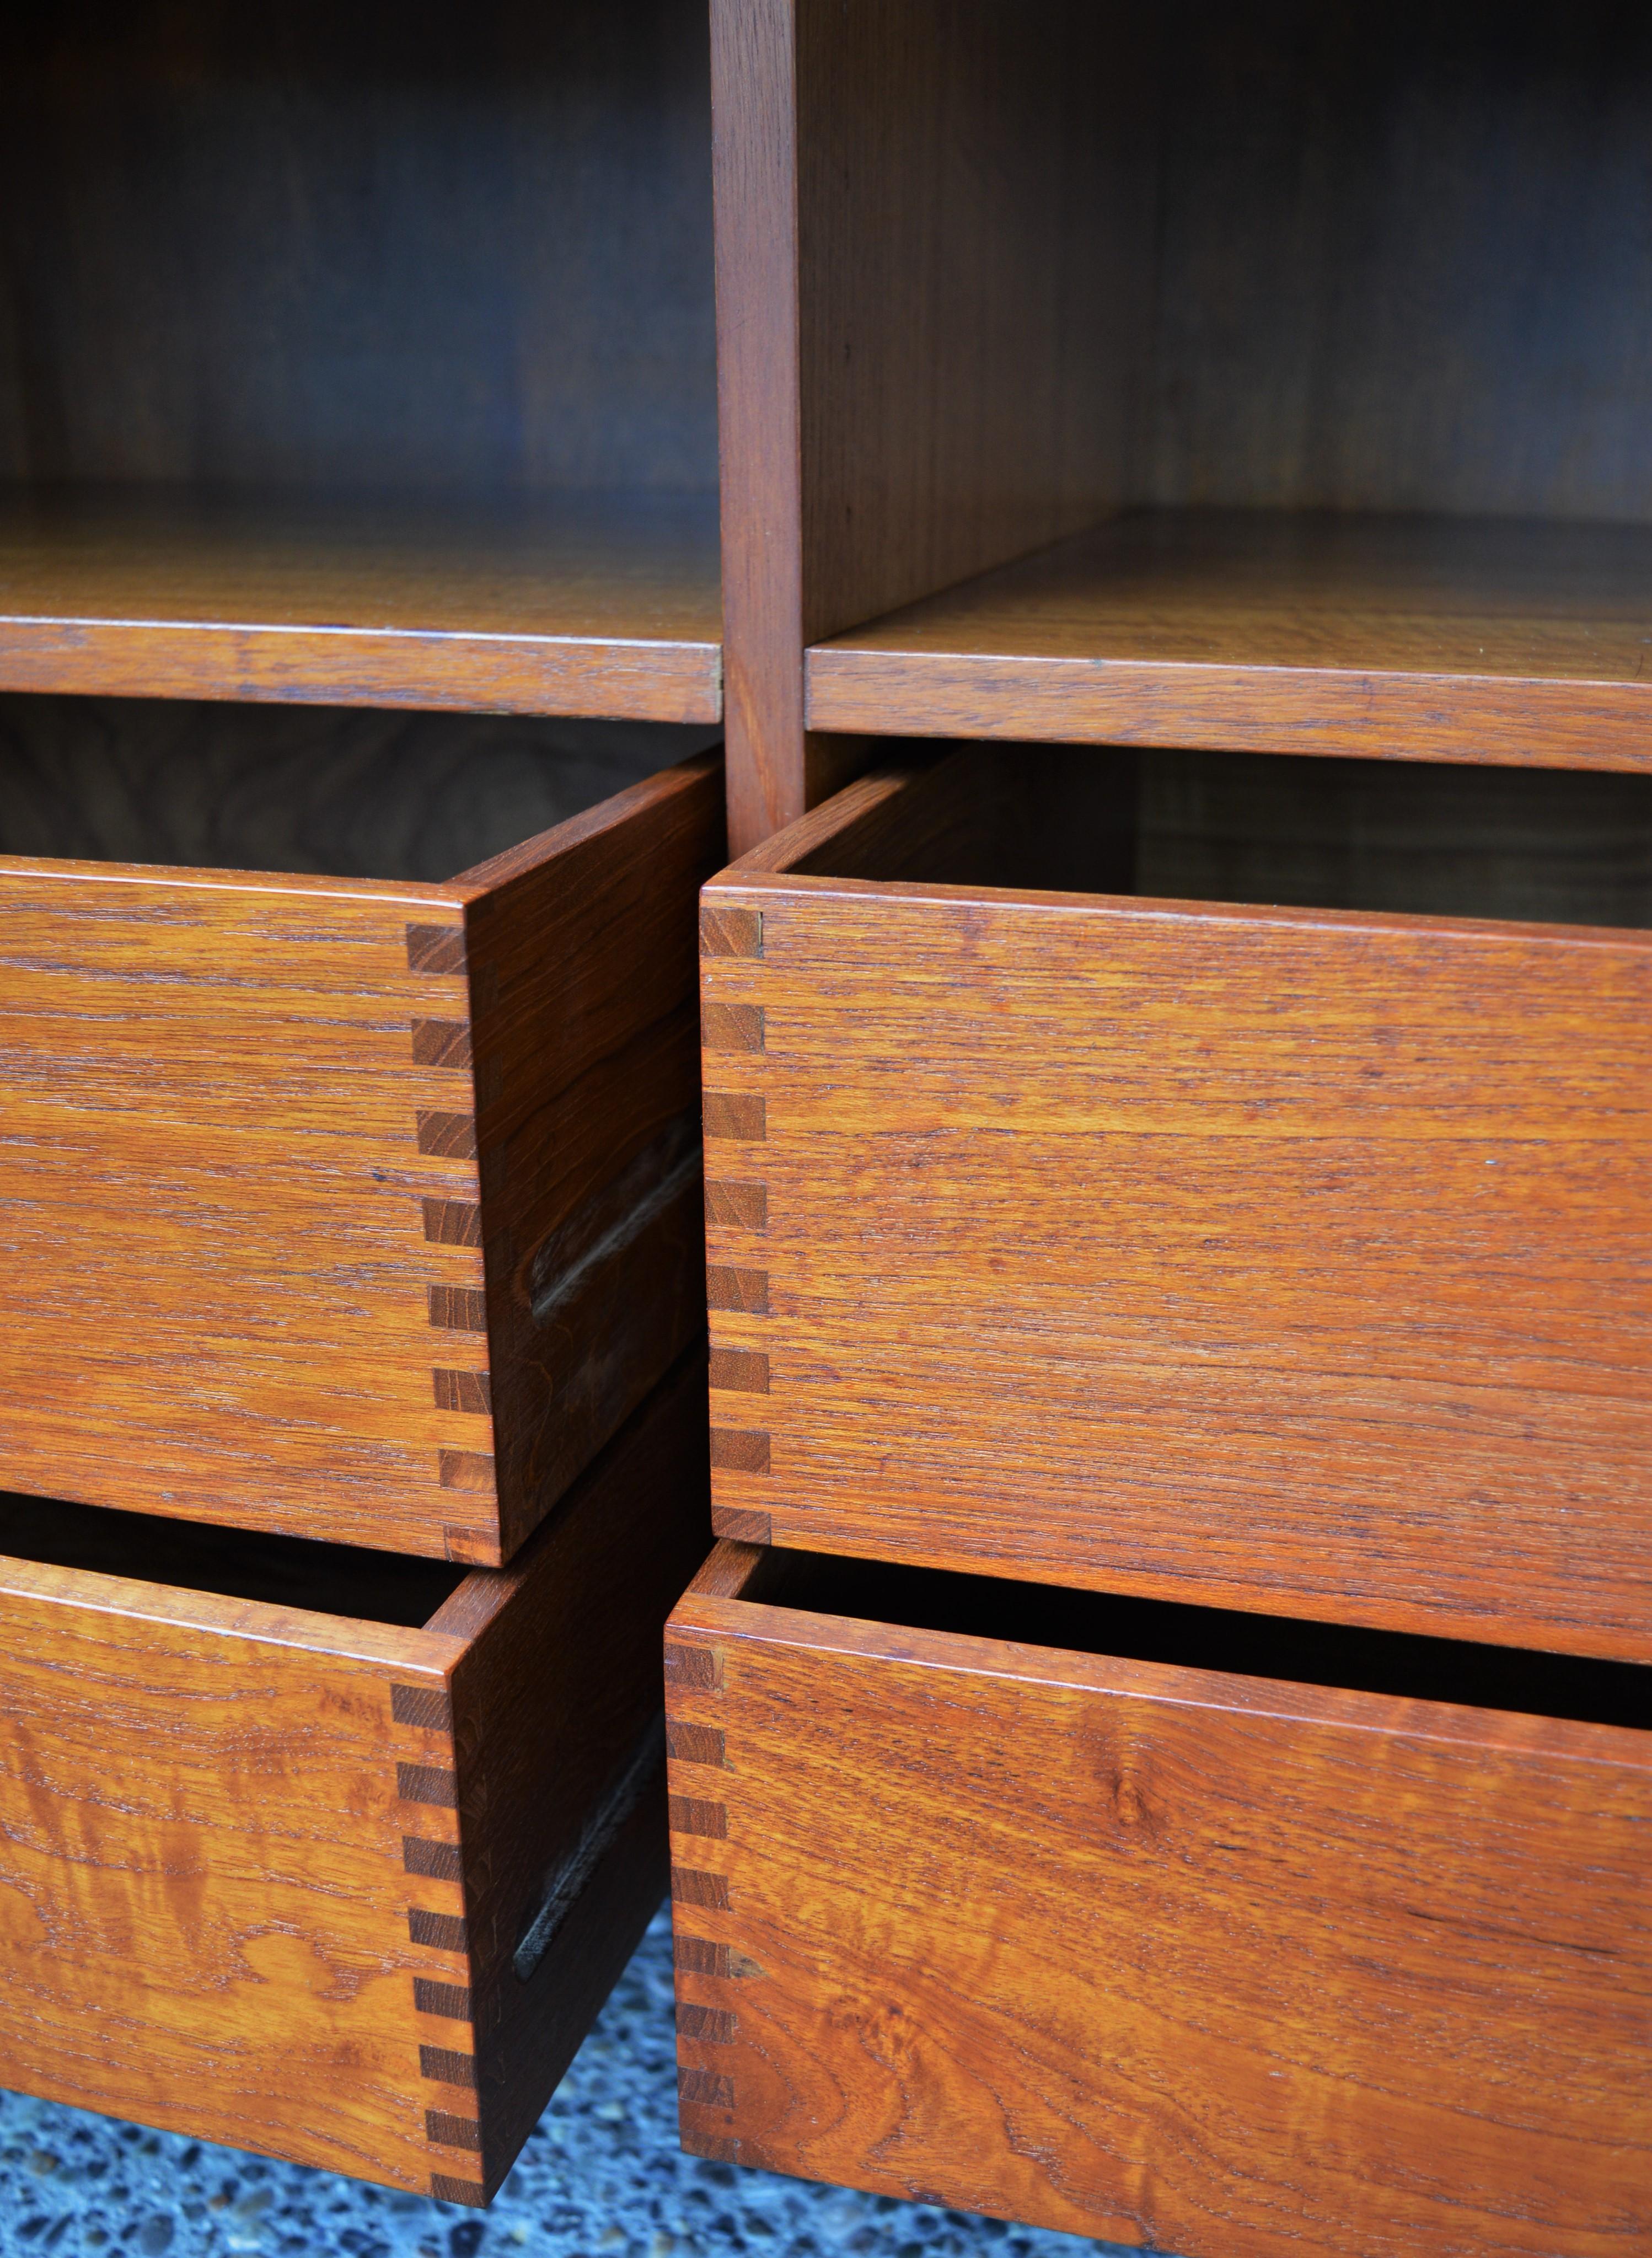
column 650, row 1185
column 562, row 1887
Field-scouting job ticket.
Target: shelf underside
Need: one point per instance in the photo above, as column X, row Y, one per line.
column 604, row 605
column 1507, row 640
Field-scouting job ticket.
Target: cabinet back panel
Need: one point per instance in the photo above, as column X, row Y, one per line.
column 1404, row 259
column 418, row 246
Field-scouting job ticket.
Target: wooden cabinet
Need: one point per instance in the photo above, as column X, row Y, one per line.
column 326, row 1853
column 1267, row 376
column 1283, row 1258
column 360, row 356
column 351, row 1205
column 1158, row 1925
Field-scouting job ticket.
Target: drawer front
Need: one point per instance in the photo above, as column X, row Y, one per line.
column 1152, row 1955
column 1266, row 1259
column 358, row 1212
column 265, row 1875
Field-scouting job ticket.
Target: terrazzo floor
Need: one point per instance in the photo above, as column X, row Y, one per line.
column 603, row 2174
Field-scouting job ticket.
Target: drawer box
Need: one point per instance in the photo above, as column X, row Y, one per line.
column 358, row 1208
column 1068, row 1218
column 328, row 1854
column 1137, row 1921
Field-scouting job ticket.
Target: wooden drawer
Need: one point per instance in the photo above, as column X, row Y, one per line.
column 336, row 1855
column 1215, row 1934
column 1285, row 1258
column 360, row 1208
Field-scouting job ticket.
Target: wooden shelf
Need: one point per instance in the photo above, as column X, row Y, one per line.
column 1422, row 638
column 603, row 605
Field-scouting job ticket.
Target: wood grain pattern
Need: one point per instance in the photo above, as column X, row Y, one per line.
column 581, row 949
column 1400, row 639
column 1154, row 1954
column 293, row 1928
column 354, row 249
column 572, row 604
column 1282, row 1259
column 912, row 377
column 223, row 1157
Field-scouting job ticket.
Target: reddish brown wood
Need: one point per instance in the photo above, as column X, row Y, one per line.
column 331, row 1834
column 1151, row 1953
column 565, row 606
column 1279, row 1258
column 281, row 1259
column 1400, row 639
column 911, row 331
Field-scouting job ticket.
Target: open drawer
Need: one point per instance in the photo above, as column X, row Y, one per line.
column 1210, row 1933
column 331, row 1854
column 338, row 1196
column 1068, row 1216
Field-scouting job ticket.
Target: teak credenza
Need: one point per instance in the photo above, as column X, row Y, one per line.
column 1156, row 506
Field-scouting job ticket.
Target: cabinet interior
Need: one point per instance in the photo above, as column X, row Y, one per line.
column 345, row 1581
column 1336, row 1655
column 1568, row 847
column 337, row 791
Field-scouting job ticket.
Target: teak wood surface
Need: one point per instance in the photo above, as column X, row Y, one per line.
column 911, row 328
column 988, row 276
column 1275, row 1259
column 264, row 1873
column 578, row 605
column 1399, row 638
column 355, row 1209
column 1200, row 1962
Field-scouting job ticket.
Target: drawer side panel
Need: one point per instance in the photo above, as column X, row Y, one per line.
column 237, row 1146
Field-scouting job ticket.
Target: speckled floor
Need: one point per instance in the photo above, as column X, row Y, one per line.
column 603, row 2173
